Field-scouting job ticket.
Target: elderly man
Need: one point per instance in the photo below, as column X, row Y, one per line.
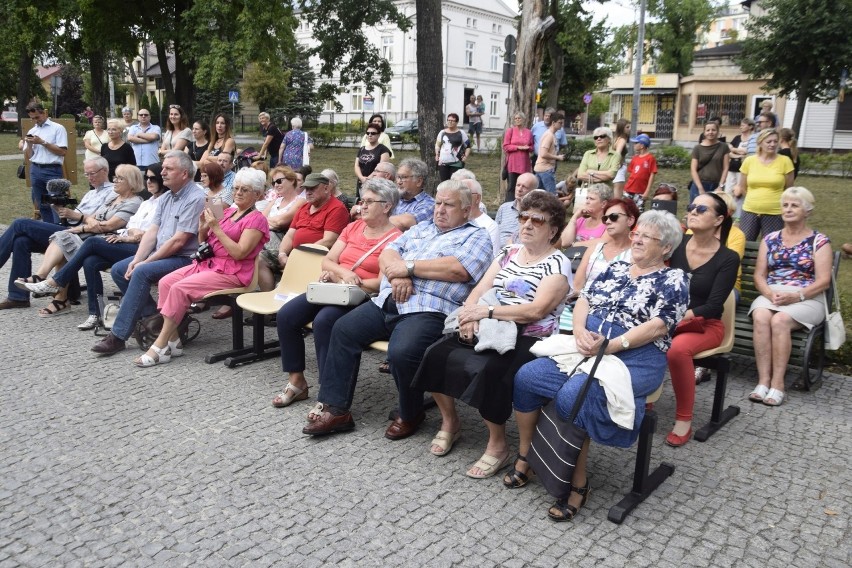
column 426, row 274
column 415, row 205
column 226, row 161
column 272, row 138
column 507, row 214
column 45, row 145
column 165, row 247
column 319, row 221
column 144, row 138
column 479, row 217
column 384, row 170
column 25, row 236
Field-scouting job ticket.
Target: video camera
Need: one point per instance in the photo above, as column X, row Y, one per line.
column 59, row 194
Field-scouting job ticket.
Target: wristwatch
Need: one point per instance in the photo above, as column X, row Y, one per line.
column 491, row 312
column 409, row 266
column 624, row 343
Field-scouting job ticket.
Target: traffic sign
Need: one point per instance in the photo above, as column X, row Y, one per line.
column 587, row 98
column 233, row 96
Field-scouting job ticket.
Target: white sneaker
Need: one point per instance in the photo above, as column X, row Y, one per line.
column 91, row 323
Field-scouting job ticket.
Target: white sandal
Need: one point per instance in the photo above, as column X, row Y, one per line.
column 759, row 393
column 291, row 394
column 161, row 355
column 776, row 396
column 175, row 348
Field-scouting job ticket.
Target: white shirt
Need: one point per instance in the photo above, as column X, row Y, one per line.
column 51, row 133
column 489, row 225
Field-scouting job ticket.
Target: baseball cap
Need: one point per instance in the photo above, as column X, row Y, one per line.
column 643, row 139
column 314, row 180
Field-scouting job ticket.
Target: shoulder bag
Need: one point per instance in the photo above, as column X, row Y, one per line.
column 835, row 329
column 556, row 443
column 337, row 293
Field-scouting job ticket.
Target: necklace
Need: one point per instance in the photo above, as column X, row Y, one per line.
column 530, row 261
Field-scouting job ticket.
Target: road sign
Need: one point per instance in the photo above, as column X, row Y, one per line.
column 233, row 96
column 587, row 98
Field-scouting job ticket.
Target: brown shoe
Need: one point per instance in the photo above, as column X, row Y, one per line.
column 8, row 304
column 400, row 428
column 328, row 423
column 109, row 345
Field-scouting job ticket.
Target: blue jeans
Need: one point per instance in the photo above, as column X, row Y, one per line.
column 137, row 302
column 547, row 180
column 39, row 176
column 709, row 186
column 93, row 256
column 408, row 335
column 20, row 240
column 292, row 318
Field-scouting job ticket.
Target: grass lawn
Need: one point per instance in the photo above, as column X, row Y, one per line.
column 831, row 216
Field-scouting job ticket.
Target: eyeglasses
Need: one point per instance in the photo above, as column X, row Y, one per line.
column 404, row 178
column 613, row 217
column 636, row 236
column 143, row 114
column 699, row 209
column 536, row 219
column 452, row 120
column 118, row 179
column 90, row 174
column 243, row 189
column 279, row 181
column 369, row 202
column 599, row 136
column 372, row 133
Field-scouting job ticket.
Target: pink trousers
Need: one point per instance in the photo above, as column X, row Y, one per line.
column 189, row 284
column 681, row 367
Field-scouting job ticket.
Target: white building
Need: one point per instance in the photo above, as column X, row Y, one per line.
column 473, row 34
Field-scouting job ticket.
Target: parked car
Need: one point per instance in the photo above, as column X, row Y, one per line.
column 404, row 126
column 10, row 116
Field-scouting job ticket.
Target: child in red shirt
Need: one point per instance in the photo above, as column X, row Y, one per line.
column 641, row 170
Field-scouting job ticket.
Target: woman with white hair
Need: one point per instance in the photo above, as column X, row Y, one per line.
column 233, row 241
column 792, row 272
column 602, row 163
column 334, row 185
column 297, row 146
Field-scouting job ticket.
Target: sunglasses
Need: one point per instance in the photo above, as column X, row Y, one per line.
column 536, row 219
column 150, row 178
column 372, row 133
column 598, row 137
column 613, row 217
column 667, row 186
column 279, row 180
column 175, row 106
column 700, row 209
column 143, row 114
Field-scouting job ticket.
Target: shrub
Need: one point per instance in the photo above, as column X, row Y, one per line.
column 325, row 137
column 673, row 156
column 577, row 147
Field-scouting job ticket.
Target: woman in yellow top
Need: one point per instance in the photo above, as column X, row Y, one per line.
column 763, row 178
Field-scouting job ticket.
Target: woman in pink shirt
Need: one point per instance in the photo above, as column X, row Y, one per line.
column 234, row 242
column 517, row 144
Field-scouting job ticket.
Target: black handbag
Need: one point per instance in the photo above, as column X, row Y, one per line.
column 556, row 443
column 22, row 174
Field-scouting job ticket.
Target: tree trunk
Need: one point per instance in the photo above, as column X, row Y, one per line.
column 165, row 76
column 430, row 80
column 137, row 86
column 801, row 101
column 25, row 71
column 100, row 97
column 557, row 61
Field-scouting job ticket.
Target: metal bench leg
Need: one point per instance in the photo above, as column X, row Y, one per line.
column 644, row 483
column 719, row 417
column 237, row 336
column 260, row 349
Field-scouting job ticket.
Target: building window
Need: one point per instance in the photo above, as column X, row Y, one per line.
column 685, row 101
column 387, row 99
column 329, row 105
column 468, row 53
column 495, row 58
column 471, row 23
column 357, row 95
column 495, row 98
column 844, row 114
column 730, row 108
column 387, row 47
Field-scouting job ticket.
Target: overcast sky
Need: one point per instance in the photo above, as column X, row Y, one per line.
column 617, row 12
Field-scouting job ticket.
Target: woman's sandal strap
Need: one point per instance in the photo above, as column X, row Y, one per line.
column 58, row 306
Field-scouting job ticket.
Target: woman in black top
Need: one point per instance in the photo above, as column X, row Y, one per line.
column 199, row 144
column 788, row 146
column 369, row 156
column 712, row 270
column 116, row 151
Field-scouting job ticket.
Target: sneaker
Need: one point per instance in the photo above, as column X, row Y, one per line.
column 41, row 288
column 702, row 375
column 91, row 322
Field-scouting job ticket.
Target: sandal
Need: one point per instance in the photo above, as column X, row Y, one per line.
column 759, row 393
column 175, row 348
column 445, row 441
column 161, row 355
column 316, row 412
column 385, row 367
column 58, row 307
column 32, row 279
column 198, row 307
column 561, row 511
column 516, row 478
column 774, row 398
column 489, row 465
column 290, row 395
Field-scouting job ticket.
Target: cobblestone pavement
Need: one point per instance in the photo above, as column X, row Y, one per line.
column 104, row 464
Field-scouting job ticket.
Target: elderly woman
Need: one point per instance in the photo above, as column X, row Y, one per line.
column 709, row 165
column 636, row 305
column 95, row 138
column 126, row 121
column 234, row 241
column 115, row 150
column 763, row 177
column 712, row 271
column 354, row 259
column 108, row 247
column 793, row 270
column 212, row 178
column 221, row 139
column 586, row 226
column 601, row 163
column 530, row 280
column 296, row 146
column 177, row 135
column 334, row 184
column 518, row 144
column 369, row 156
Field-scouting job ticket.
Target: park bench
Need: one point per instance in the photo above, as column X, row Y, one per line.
column 808, row 347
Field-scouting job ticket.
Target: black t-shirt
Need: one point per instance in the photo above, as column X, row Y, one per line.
column 735, row 163
column 277, row 138
column 711, row 283
column 789, row 153
column 369, row 159
column 121, row 155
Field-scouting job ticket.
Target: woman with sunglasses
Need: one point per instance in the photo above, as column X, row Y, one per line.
column 177, row 135
column 600, row 164
column 619, row 217
column 369, row 156
column 378, row 121
column 531, row 279
column 289, row 197
column 712, row 269
column 586, row 226
column 518, row 144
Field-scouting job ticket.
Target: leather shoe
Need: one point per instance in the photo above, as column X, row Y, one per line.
column 109, row 345
column 676, row 441
column 400, row 428
column 8, row 304
column 328, row 423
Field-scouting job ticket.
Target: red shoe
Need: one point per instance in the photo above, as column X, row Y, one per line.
column 676, row 441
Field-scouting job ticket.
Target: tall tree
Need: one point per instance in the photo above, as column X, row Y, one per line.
column 304, row 101
column 532, row 29
column 674, row 36
column 802, row 47
column 70, row 97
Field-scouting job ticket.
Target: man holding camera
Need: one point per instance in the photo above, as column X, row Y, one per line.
column 166, row 246
column 45, row 145
column 26, row 236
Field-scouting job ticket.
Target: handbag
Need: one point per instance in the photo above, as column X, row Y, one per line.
column 580, row 195
column 695, row 325
column 22, row 171
column 835, row 329
column 556, row 443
